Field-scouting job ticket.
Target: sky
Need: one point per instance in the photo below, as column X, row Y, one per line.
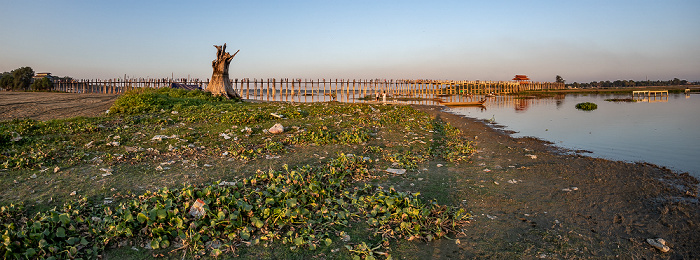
column 581, row 41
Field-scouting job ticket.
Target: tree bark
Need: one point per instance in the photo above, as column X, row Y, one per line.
column 220, row 84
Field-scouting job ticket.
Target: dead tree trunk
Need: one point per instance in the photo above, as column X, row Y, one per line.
column 220, row 84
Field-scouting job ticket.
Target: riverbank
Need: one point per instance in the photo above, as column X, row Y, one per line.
column 527, row 198
column 534, row 199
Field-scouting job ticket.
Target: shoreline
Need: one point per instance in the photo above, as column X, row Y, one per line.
column 552, row 191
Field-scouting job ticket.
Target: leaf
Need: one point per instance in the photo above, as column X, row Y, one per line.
column 164, row 244
column 329, row 241
column 155, row 244
column 64, row 218
column 60, row 232
column 162, row 213
column 30, row 252
column 299, row 241
column 141, row 217
column 245, row 235
column 291, row 202
column 43, row 243
column 128, row 218
column 257, row 222
column 73, row 240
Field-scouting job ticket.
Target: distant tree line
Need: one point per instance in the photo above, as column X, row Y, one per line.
column 629, row 83
column 22, row 79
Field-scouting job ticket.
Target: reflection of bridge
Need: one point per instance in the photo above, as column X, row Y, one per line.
column 650, row 95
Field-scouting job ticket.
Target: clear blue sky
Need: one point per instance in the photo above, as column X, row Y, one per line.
column 486, row 40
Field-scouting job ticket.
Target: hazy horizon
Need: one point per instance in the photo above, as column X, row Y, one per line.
column 581, row 41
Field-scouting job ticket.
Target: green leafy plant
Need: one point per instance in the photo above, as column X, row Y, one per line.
column 586, row 106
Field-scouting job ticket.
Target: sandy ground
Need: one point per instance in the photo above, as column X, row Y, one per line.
column 48, row 105
column 529, row 199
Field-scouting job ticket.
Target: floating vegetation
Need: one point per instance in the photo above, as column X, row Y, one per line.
column 620, row 100
column 586, row 106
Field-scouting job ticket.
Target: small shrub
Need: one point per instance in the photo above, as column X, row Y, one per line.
column 586, row 106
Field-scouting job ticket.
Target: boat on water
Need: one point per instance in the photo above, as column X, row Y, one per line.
column 464, row 104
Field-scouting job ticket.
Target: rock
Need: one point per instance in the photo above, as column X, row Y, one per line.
column 276, row 129
column 566, row 189
column 174, row 112
column 16, row 139
column 225, row 136
column 116, row 137
column 487, row 170
column 513, row 181
column 115, row 144
column 246, row 130
column 160, row 137
column 659, row 244
column 395, row 171
column 532, row 156
column 439, row 165
column 55, row 170
column 73, row 193
column 574, row 188
column 33, row 176
column 491, row 217
column 130, row 149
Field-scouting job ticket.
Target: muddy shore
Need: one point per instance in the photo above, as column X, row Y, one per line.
column 527, row 192
column 529, row 199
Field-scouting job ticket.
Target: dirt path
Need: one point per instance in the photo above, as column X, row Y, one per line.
column 48, row 105
column 531, row 199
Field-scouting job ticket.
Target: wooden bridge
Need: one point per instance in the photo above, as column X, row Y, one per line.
column 317, row 90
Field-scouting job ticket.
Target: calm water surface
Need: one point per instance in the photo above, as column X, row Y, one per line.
column 662, row 131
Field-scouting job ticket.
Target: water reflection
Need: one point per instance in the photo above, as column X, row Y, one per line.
column 658, row 130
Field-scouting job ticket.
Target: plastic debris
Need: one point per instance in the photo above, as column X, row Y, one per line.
column 276, row 115
column 395, row 171
column 659, row 244
column 197, row 209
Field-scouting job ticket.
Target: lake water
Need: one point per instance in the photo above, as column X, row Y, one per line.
column 662, row 131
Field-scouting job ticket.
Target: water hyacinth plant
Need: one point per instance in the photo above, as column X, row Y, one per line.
column 154, row 140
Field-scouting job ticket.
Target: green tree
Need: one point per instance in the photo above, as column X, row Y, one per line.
column 7, row 81
column 559, row 79
column 42, row 84
column 22, row 77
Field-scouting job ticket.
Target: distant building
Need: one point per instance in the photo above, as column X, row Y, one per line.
column 522, row 79
column 42, row 75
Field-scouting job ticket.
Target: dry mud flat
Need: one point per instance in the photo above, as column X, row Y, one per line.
column 50, row 105
column 531, row 199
